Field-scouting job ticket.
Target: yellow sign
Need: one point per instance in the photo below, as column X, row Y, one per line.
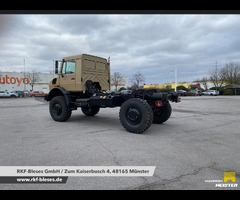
column 229, row 176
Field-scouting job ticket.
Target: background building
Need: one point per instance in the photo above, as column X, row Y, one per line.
column 123, row 83
column 172, row 85
column 11, row 81
column 17, row 81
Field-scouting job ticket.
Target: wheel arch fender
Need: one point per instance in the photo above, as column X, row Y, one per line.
column 58, row 91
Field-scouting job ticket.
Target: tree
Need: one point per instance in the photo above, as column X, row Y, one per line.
column 121, row 88
column 116, row 79
column 137, row 79
column 231, row 73
column 216, row 76
column 204, row 81
column 33, row 78
column 181, row 87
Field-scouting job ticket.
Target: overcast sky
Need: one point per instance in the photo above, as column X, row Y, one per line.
column 150, row 44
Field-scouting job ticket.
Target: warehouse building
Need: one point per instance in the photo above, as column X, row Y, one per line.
column 172, row 85
column 122, row 83
column 11, row 81
column 37, row 81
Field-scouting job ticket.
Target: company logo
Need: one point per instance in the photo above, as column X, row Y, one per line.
column 13, row 80
column 228, row 180
column 229, row 176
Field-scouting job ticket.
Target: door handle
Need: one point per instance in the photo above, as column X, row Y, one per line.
column 72, row 78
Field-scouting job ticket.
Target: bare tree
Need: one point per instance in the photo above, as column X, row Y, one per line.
column 116, row 79
column 204, row 81
column 216, row 76
column 134, row 86
column 231, row 73
column 137, row 79
column 33, row 78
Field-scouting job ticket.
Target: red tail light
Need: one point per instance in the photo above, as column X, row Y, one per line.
column 158, row 103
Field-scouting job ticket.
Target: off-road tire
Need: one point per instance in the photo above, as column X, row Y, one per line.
column 90, row 111
column 136, row 115
column 162, row 114
column 59, row 109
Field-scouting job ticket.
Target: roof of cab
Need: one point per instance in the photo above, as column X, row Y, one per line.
column 83, row 56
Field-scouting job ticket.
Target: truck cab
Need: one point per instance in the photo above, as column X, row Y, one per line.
column 75, row 71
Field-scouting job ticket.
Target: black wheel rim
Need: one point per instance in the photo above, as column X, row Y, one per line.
column 133, row 116
column 57, row 109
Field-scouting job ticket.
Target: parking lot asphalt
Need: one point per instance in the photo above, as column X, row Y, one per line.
column 199, row 142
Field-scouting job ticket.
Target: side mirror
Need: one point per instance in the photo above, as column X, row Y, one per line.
column 56, row 66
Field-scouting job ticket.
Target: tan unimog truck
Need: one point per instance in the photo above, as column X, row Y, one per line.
column 84, row 81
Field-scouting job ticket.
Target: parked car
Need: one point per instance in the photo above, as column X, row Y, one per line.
column 37, row 94
column 6, row 94
column 199, row 92
column 195, row 92
column 126, row 92
column 14, row 93
column 20, row 93
column 211, row 92
column 182, row 92
column 26, row 92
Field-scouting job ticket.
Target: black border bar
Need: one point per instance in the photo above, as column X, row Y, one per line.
column 119, row 11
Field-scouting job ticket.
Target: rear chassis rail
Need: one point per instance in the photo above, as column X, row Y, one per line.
column 103, row 100
column 108, row 100
column 137, row 110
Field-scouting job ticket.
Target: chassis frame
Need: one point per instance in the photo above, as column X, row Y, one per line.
column 137, row 110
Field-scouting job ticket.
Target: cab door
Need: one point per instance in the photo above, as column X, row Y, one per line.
column 68, row 76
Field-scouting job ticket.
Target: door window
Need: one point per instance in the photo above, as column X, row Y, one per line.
column 68, row 67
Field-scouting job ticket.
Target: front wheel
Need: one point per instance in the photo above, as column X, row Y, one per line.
column 136, row 115
column 59, row 109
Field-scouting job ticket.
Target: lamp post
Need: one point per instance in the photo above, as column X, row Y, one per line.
column 168, row 74
column 175, row 78
column 24, row 78
column 175, row 70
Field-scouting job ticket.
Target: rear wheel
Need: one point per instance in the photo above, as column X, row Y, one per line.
column 91, row 110
column 136, row 115
column 59, row 110
column 162, row 114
